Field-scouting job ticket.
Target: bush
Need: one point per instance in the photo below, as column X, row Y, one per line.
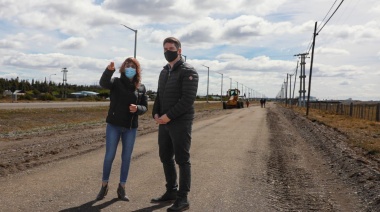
column 27, row 96
column 36, row 92
column 91, row 98
column 46, row 97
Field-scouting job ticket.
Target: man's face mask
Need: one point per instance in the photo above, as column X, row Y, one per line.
column 170, row 55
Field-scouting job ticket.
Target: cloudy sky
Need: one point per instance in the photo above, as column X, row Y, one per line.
column 251, row 43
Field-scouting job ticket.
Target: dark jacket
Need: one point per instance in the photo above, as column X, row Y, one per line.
column 176, row 93
column 123, row 93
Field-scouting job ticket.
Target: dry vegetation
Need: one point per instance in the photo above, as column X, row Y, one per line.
column 363, row 135
column 29, row 120
column 22, row 120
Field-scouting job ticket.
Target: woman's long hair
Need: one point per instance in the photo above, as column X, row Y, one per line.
column 137, row 78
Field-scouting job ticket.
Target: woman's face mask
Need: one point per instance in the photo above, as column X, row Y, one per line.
column 130, row 72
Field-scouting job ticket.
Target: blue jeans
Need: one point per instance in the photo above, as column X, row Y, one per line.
column 113, row 135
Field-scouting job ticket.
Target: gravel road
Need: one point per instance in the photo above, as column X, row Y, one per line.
column 252, row 159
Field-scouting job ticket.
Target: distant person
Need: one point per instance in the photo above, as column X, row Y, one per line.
column 127, row 101
column 247, row 102
column 262, row 102
column 173, row 110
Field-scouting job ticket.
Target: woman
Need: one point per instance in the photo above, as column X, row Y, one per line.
column 127, row 101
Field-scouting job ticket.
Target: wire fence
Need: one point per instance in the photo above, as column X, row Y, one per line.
column 368, row 111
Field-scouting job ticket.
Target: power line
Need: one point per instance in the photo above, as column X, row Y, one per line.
column 311, row 40
column 309, row 46
column 345, row 15
column 330, row 17
column 329, row 10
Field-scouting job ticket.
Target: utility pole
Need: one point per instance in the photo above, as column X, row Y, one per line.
column 290, row 88
column 302, row 91
column 311, row 68
column 286, row 90
column 295, row 80
column 64, row 83
column 282, row 91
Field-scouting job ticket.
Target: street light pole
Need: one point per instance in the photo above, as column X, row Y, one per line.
column 134, row 30
column 242, row 89
column 221, row 88
column 208, row 75
column 50, row 77
column 230, row 83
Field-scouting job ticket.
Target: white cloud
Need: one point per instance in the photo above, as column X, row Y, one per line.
column 375, row 9
column 249, row 41
column 8, row 44
column 72, row 43
column 331, row 51
column 230, row 57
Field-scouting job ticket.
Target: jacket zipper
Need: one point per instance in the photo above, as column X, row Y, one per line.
column 133, row 114
column 166, row 82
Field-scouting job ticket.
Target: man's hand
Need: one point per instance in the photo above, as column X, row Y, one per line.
column 157, row 119
column 132, row 108
column 161, row 120
column 164, row 119
column 111, row 66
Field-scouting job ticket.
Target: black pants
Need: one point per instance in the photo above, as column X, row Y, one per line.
column 174, row 140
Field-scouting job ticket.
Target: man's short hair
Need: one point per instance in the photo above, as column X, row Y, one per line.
column 174, row 40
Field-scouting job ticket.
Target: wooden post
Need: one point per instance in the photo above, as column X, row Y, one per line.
column 378, row 112
column 351, row 108
column 337, row 108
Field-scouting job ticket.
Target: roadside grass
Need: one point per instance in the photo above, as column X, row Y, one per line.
column 22, row 120
column 362, row 133
column 19, row 121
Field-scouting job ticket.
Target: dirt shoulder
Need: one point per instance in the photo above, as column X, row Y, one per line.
column 327, row 152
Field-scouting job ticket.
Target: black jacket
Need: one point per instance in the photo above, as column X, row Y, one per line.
column 123, row 93
column 176, row 93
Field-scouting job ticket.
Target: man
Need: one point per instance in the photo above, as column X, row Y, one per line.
column 173, row 110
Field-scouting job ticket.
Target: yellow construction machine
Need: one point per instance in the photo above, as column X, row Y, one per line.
column 234, row 99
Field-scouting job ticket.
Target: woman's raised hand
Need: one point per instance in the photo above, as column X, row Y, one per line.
column 111, row 66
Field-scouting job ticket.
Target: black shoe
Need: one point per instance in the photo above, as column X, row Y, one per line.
column 181, row 204
column 102, row 193
column 121, row 193
column 169, row 196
